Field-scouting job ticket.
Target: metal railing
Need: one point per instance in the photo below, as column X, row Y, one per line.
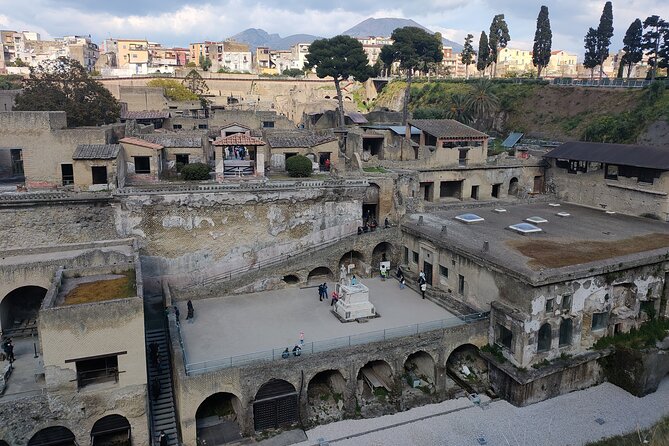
column 604, row 83
column 310, row 348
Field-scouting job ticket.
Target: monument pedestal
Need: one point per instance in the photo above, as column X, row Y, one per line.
column 353, row 303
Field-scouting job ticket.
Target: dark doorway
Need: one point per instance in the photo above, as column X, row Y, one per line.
column 216, row 419
column 17, row 162
column 19, row 309
column 427, row 191
column 495, row 190
column 513, row 186
column 544, row 338
column 369, row 212
column 565, row 332
column 462, row 157
column 112, row 430
column 373, row 145
column 451, row 189
column 99, row 174
column 427, row 269
column 475, row 192
column 538, row 184
column 67, row 174
column 142, row 164
column 324, row 161
column 53, row 436
column 275, row 405
column 181, row 158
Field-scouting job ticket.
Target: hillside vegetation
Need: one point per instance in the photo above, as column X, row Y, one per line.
column 545, row 111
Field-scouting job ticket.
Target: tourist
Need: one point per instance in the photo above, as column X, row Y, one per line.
column 191, row 310
column 399, row 272
column 354, row 281
column 320, row 293
column 325, row 291
column 421, row 277
column 423, row 287
column 327, row 164
column 162, row 439
column 176, row 313
column 297, row 350
column 153, row 353
column 402, row 282
column 285, row 353
column 155, row 389
column 386, row 223
column 8, row 347
column 335, row 298
column 159, row 363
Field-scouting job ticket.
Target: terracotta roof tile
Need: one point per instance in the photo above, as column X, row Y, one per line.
column 140, row 142
column 239, row 139
column 447, row 128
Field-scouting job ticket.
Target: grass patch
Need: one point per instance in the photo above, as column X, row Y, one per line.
column 496, row 351
column 657, row 435
column 554, row 254
column 381, row 393
column 374, row 169
column 101, row 290
column 646, row 336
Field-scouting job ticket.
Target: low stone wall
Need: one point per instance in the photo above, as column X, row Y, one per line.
column 637, row 371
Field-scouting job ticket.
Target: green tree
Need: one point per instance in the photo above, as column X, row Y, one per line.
column 293, row 72
column 299, row 165
column 604, row 34
column 64, row 85
column 498, row 38
column 414, row 49
column 654, row 39
column 467, row 55
column 591, row 60
column 483, row 53
column 173, row 89
column 342, row 58
column 483, row 103
column 633, row 46
column 205, row 62
column 195, row 172
column 543, row 39
column 459, row 108
column 11, row 82
column 194, row 82
column 387, row 58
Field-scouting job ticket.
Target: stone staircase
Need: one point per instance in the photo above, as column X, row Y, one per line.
column 163, row 416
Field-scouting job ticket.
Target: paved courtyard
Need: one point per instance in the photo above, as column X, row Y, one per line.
column 241, row 324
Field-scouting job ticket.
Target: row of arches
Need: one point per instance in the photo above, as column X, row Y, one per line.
column 111, row 430
column 377, row 388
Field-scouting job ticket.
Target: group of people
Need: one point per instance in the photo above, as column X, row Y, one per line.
column 323, row 293
column 422, row 281
column 154, row 355
column 370, row 224
column 236, row 152
column 8, row 348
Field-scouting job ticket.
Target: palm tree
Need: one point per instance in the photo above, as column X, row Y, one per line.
column 458, row 108
column 482, row 101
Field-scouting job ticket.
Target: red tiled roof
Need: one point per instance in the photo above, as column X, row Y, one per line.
column 141, row 143
column 239, row 139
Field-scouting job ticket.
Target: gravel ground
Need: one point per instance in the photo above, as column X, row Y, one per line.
column 568, row 420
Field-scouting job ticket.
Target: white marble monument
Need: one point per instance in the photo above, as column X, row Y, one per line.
column 353, row 302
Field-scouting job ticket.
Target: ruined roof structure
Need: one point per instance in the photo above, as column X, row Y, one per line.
column 141, row 143
column 145, row 114
column 174, row 139
column 238, row 139
column 96, row 151
column 447, row 129
column 620, row 154
column 577, row 244
column 297, row 138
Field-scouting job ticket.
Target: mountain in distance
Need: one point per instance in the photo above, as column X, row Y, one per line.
column 384, row 27
column 258, row 37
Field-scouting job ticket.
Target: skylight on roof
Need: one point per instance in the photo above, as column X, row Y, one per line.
column 563, row 214
column 536, row 220
column 469, row 218
column 610, row 212
column 525, row 228
column 499, row 210
column 555, row 205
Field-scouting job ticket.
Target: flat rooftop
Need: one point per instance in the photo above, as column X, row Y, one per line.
column 96, row 288
column 583, row 239
column 249, row 323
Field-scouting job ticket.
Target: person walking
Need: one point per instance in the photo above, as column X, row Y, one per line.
column 320, row 293
column 155, row 389
column 325, row 292
column 8, row 347
column 402, row 282
column 423, row 287
column 354, row 281
column 191, row 310
column 153, row 353
column 421, row 277
column 176, row 313
column 162, row 439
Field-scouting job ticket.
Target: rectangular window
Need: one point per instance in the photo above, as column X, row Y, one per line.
column 600, row 320
column 268, row 124
column 415, row 257
column 142, row 164
column 549, row 305
column 443, row 271
column 202, row 126
column 406, row 255
column 99, row 174
column 97, row 370
column 504, row 336
column 182, row 158
column 461, row 284
column 611, row 172
column 566, row 302
column 67, row 174
column 177, row 126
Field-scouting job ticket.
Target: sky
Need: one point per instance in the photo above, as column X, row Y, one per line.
column 179, row 22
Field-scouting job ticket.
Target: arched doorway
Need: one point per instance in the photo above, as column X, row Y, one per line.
column 291, row 279
column 19, row 309
column 565, row 332
column 382, row 252
column 217, row 419
column 53, row 436
column 513, row 186
column 355, row 258
column 275, row 405
column 544, row 338
column 112, row 430
column 375, row 383
column 467, row 370
column 419, row 372
column 325, row 395
column 319, row 275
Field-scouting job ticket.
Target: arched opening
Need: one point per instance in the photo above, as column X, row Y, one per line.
column 112, row 430
column 320, row 275
column 370, row 204
column 53, row 436
column 291, row 279
column 419, row 372
column 513, row 186
column 544, row 338
column 565, row 332
column 217, row 419
column 374, row 385
column 356, row 259
column 325, row 395
column 275, row 405
column 382, row 252
column 19, row 309
column 327, row 97
column 467, row 370
column 3, row 443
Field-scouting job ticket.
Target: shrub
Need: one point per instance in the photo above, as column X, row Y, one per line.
column 299, row 166
column 195, row 172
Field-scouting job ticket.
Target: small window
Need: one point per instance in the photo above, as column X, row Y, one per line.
column 565, row 332
column 202, row 126
column 415, row 257
column 566, row 302
column 97, row 370
column 67, row 174
column 142, row 164
column 461, row 284
column 182, row 158
column 504, row 336
column 268, row 124
column 544, row 338
column 406, row 255
column 99, row 174
column 443, row 271
column 177, row 126
column 549, row 305
column 611, row 172
column 600, row 320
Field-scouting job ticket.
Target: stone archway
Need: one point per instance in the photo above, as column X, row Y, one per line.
column 419, row 371
column 53, row 436
column 19, row 309
column 383, row 250
column 217, row 419
column 275, row 405
column 374, row 388
column 513, row 187
column 467, row 370
column 355, row 258
column 325, row 397
column 111, row 430
column 320, row 275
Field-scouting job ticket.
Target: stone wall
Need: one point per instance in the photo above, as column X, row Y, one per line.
column 637, row 371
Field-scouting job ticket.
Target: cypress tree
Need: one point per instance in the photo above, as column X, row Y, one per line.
column 499, row 38
column 467, row 55
column 543, row 38
column 633, row 48
column 657, row 31
column 604, row 34
column 591, row 60
column 483, row 53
